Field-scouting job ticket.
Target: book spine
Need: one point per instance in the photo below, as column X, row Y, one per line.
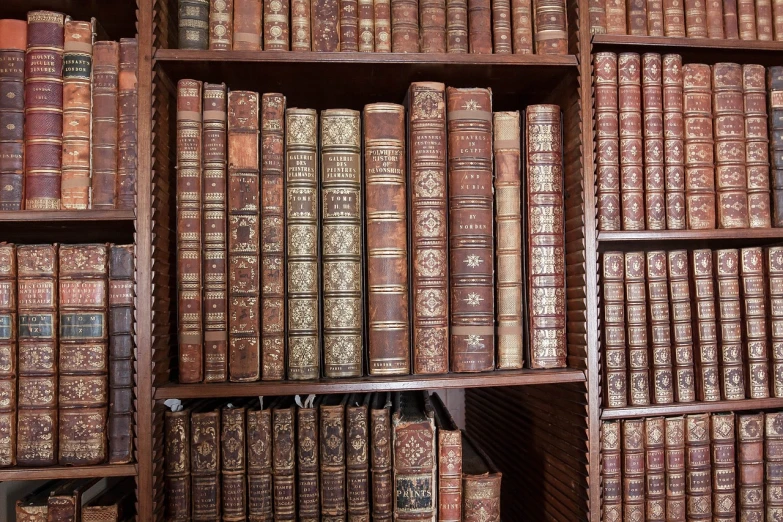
column 37, row 355
column 747, row 19
column 637, row 17
column 273, row 237
column 276, row 26
column 655, row 477
column 405, row 26
column 77, row 108
column 750, row 465
column 597, row 13
column 775, row 88
column 433, row 26
column 303, row 244
column 8, row 357
column 611, row 471
column 682, row 326
column 177, row 465
column 469, row 116
column 764, row 20
column 695, row 19
column 367, row 25
column 221, row 20
column 508, row 230
column 349, row 25
column 673, row 143
column 480, row 26
column 449, row 475
column 214, row 234
column 415, row 470
column 332, row 419
column 726, row 266
column 615, row 17
column 387, row 240
column 105, row 124
column 636, row 324
column 232, row 463
column 730, row 20
column 356, row 463
column 383, row 25
column 698, row 489
column 633, row 469
column 715, row 19
column 773, row 461
column 247, row 25
column 756, row 145
column 243, row 242
column 755, row 325
column 631, row 141
column 674, row 448
column 607, row 137
column 429, row 240
column 522, row 26
column 128, row 131
column 308, row 498
column 481, row 497
column 189, row 266
column 774, row 266
column 205, row 464
column 724, row 506
column 284, row 463
column 193, row 24
column 652, row 130
column 550, row 26
column 457, row 26
column 259, row 465
column 705, row 324
column 13, row 42
column 777, row 19
column 342, row 249
column 673, row 18
column 659, row 329
column 655, row 18
column 43, row 129
column 699, row 158
column 613, row 287
column 381, row 465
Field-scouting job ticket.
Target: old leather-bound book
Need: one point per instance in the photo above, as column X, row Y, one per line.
column 326, row 31
column 597, row 12
column 730, row 20
column 214, row 242
column 13, row 42
column 244, row 322
column 342, row 248
column 77, row 105
column 611, row 470
column 655, row 17
column 659, row 327
column 36, row 438
column 381, row 457
column 653, row 132
column 405, row 26
column 607, row 137
column 247, row 25
column 699, row 162
column 113, row 504
column 747, row 19
column 616, row 17
column 715, row 19
column 724, row 505
column 189, row 240
column 522, row 26
column 655, row 482
column 276, row 26
column 481, row 483
column 550, row 26
column 674, row 447
column 332, row 453
column 613, row 287
column 726, row 266
column 774, row 272
column 777, row 20
column 636, row 327
column 284, row 460
column 303, row 244
column 357, row 464
column 674, row 141
column 698, row 473
column 427, row 192
column 695, row 19
column 457, row 26
column 479, row 26
column 673, row 18
column 349, row 25
column 385, row 176
column 383, row 26
column 730, row 175
column 205, row 460
column 773, row 459
column 193, row 24
column 775, row 88
column 367, row 26
column 469, row 116
column 755, row 326
column 33, row 507
column 432, row 14
column 233, row 462
column 176, row 471
column 83, row 390
column 545, row 237
column 449, row 463
column 43, row 126
column 637, row 17
column 633, row 469
column 301, row 23
column 8, row 356
column 105, row 124
column 273, row 237
column 415, row 462
column 631, row 141
column 259, row 462
column 681, row 326
column 121, row 346
column 127, row 163
column 750, row 465
column 764, row 20
column 221, row 19
column 706, row 341
column 307, row 471
column 508, row 230
column 756, row 145
column 65, row 500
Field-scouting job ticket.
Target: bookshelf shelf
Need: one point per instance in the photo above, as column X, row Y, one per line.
column 63, row 472
column 692, row 407
column 68, row 226
column 59, row 216
column 755, row 235
column 672, row 44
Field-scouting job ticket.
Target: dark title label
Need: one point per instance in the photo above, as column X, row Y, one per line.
column 39, row 326
column 414, row 493
column 82, row 326
column 6, row 326
column 77, row 66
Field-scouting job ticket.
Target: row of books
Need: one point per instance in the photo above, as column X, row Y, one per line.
column 722, row 466
column 66, row 354
column 685, row 146
column 399, row 26
column 397, row 457
column 716, row 19
column 79, row 500
column 69, row 134
column 370, row 247
column 720, row 311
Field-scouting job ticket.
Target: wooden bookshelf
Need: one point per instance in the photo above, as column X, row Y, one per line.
column 63, row 472
column 690, row 407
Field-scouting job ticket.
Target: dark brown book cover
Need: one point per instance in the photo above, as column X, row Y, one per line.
column 726, row 267
column 383, row 25
column 615, row 17
column 449, row 463
column 8, row 357
column 750, row 465
column 205, row 460
column 674, row 448
column 481, row 483
column 633, row 469
column 332, row 453
column 550, row 26
column 777, row 19
column 655, row 17
column 681, row 327
column 177, row 478
column 13, row 43
column 405, row 26
column 708, row 380
column 773, row 460
column 65, row 500
column 730, row 20
column 522, row 26
column 746, row 10
column 659, row 328
column 105, row 124
column 698, row 472
column 631, row 141
column 636, row 329
column 457, row 27
column 301, row 25
column 607, row 138
column 699, row 143
column 480, row 26
column 367, row 26
column 349, row 25
column 432, row 14
column 597, row 12
column 193, row 24
column 276, row 25
column 381, row 457
column 724, row 504
column 655, row 466
column 775, row 108
column 754, row 304
column 774, row 272
column 673, row 18
column 613, row 299
column 307, row 469
column 611, row 471
column 637, row 17
column 33, row 507
column 695, row 19
column 221, row 21
column 756, row 145
column 357, row 462
column 248, row 23
column 715, row 19
column 233, row 462
column 653, row 132
column 674, row 141
column 128, row 98
column 764, row 20
column 259, row 462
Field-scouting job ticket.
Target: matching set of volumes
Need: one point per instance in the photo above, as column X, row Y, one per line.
column 666, row 313
column 720, row 466
column 333, row 457
column 68, row 111
column 353, row 250
column 79, row 500
column 66, row 354
column 399, row 26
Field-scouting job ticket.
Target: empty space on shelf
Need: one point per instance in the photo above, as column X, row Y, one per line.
column 67, row 226
column 117, row 18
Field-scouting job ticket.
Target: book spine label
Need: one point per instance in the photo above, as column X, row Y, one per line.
column 383, row 25
column 205, row 464
column 699, row 147
column 550, row 26
column 405, row 26
column 637, row 17
column 12, row 67
column 522, row 26
column 655, row 482
column 674, row 141
column 433, row 26
column 283, row 463
column 357, row 463
column 457, row 26
column 333, row 505
column 349, row 25
column 193, row 22
column 613, row 288
column 105, row 124
column 259, row 464
column 301, row 22
column 774, row 265
column 221, row 21
column 247, row 25
column 607, row 139
column 755, row 328
column 367, row 26
column 631, row 141
column 682, row 326
column 128, row 163
column 232, row 463
column 8, row 357
column 121, row 346
column 276, row 26
column 652, row 128
column 756, row 145
column 750, row 457
column 695, row 19
column 636, row 327
column 673, row 18
column 633, row 469
column 703, row 289
column 611, row 470
column 659, row 328
column 308, row 483
column 674, row 448
column 381, row 470
column 726, row 266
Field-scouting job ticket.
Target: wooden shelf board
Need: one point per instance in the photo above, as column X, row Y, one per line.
column 370, row 384
column 21, row 216
column 68, row 472
column 689, row 235
column 691, row 407
column 664, row 42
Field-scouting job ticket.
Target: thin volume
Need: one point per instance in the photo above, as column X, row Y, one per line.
column 301, row 23
column 699, row 153
column 775, row 88
column 176, row 472
column 105, row 124
column 695, row 19
column 659, row 328
column 307, row 450
column 655, row 488
column 631, row 141
column 432, row 15
column 449, row 463
column 480, row 26
column 259, row 463
column 332, row 455
column 730, row 20
column 773, row 460
column 501, row 26
column 756, row 145
column 615, row 365
column 8, row 355
column 726, row 265
column 522, row 26
column 383, row 25
column 233, row 461
column 381, row 457
column 637, row 17
column 276, row 25
column 357, row 477
column 221, row 20
column 128, row 97
column 405, row 26
column 284, row 462
column 764, row 20
column 653, row 132
column 13, row 42
column 777, row 19
column 755, row 325
column 724, row 505
column 633, row 469
column 248, row 26
column 597, row 12
column 205, row 460
column 367, row 26
column 715, row 19
column 746, row 12
column 673, row 18
column 457, row 27
column 611, row 471
column 193, row 22
column 481, row 483
column 615, row 17
column 674, row 141
column 706, row 328
column 349, row 25
column 674, row 448
column 326, row 30
column 750, row 466
column 682, row 326
column 698, row 490
column 636, row 328
column 550, row 26
column 607, row 139
column 774, row 272
column 655, row 18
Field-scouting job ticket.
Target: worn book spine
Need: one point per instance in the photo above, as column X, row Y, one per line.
column 481, row 497
column 777, row 20
column 655, row 476
column 773, row 461
column 597, row 12
column 303, row 244
column 730, row 176
column 756, row 145
column 726, row 267
column 232, row 463
column 367, row 26
column 449, row 475
column 775, row 88
column 457, row 27
column 342, row 249
column 356, row 462
column 349, row 25
column 308, row 484
column 8, row 357
column 276, row 25
column 730, row 20
column 550, row 26
column 673, row 18
column 205, row 463
column 715, row 19
column 631, row 141
column 607, row 137
column 381, row 463
column 637, row 17
column 105, row 124
column 383, row 25
column 746, row 13
column 244, row 309
column 13, row 42
column 480, row 26
column 655, row 18
column 698, row 476
column 128, row 98
column 214, row 234
column 432, row 14
column 469, row 116
column 699, row 142
column 750, row 466
column 695, row 19
column 405, row 26
column 415, row 460
column 764, row 20
column 273, row 237
column 326, row 30
column 428, row 229
column 659, row 328
column 248, row 26
column 301, row 23
column 522, row 26
column 193, row 24
column 774, row 272
column 333, row 488
column 77, row 108
column 189, row 265
column 43, row 125
column 616, row 17
column 705, row 325
column 681, row 327
column 636, row 328
column 753, row 298
column 674, row 449
column 259, row 464
column 176, row 471
column 724, row 505
column 611, row 471
column 221, row 20
column 652, row 130
column 36, row 437
column 674, row 141
column 615, row 365
column 633, row 469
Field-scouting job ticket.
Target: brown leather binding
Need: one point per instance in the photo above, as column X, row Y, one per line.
column 259, row 464
column 481, row 484
column 13, row 42
column 301, row 25
column 655, row 502
column 631, row 142
column 480, row 26
column 233, row 462
column 695, row 19
column 127, row 167
column 698, row 489
column 356, row 458
column 613, row 299
column 611, row 471
column 276, row 25
column 8, row 357
column 307, row 492
column 637, row 17
column 597, row 12
column 405, row 26
column 205, row 461
column 726, row 268
column 449, row 463
column 724, row 505
column 747, row 19
column 607, row 140
column 66, row 499
column 750, row 466
column 681, row 327
column 615, row 17
column 383, row 27
column 674, row 141
column 248, row 25
column 326, row 33
column 433, row 26
column 367, row 26
column 349, row 25
column 730, row 20
column 522, row 26
column 193, row 21
column 703, row 289
column 773, row 456
column 674, row 446
column 636, row 324
column 754, row 341
column 633, row 469
column 381, row 463
column 756, row 145
column 221, row 19
column 105, row 126
column 659, row 329
column 332, row 438
column 457, row 26
column 673, row 18
column 550, row 26
column 775, row 86
column 284, row 462
column 177, row 465
column 653, row 132
column 699, row 166
column 774, row 266
column 764, row 20
column 715, row 19
column 655, row 18
column 501, row 26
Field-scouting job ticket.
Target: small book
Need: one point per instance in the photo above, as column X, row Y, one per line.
column 724, row 503
column 698, row 472
column 636, row 329
column 114, row 504
column 331, row 409
column 611, row 470
column 750, row 465
column 13, row 43
column 381, row 457
column 259, row 460
column 8, row 356
column 284, row 459
column 176, row 472
column 233, row 461
column 481, row 483
column 193, row 24
column 450, row 461
column 308, row 496
column 205, row 459
column 615, row 364
column 34, row 507
column 674, row 447
column 633, row 469
column 356, row 456
column 66, row 499
column 655, row 482
column 247, row 25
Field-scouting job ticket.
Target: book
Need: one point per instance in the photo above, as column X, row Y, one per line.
column 616, row 17
column 655, row 18
column 655, row 465
column 479, row 26
column 221, row 19
column 302, row 244
column 301, row 22
column 367, row 26
column 205, row 460
column 674, row 141
column 276, row 25
column 746, row 13
column 381, row 457
column 674, row 18
column 233, row 461
column 331, row 409
column 13, row 43
column 248, row 24
column 111, row 505
column 726, row 266
column 259, row 461
column 176, row 471
column 357, row 464
column 427, row 191
column 653, row 133
column 615, row 365
column 471, row 261
column 273, row 236
column 755, row 326
column 65, row 500
column 775, row 111
column 607, row 138
column 388, row 333
column 636, row 328
column 777, row 20
column 756, row 145
column 750, row 465
column 631, row 141
column 307, row 449
column 699, row 146
column 326, row 31
column 698, row 474
column 637, row 17
column 449, row 463
column 405, row 26
column 244, row 357
column 549, row 17
column 724, row 503
column 681, row 326
column 193, row 24
column 34, row 506
column 383, row 26
column 342, row 245
column 597, row 13
column 773, row 456
column 105, row 124
column 457, row 26
column 481, row 482
column 349, row 25
column 633, row 469
column 611, row 470
column 730, row 20
column 8, row 356
column 674, row 448
column 522, row 26
column 706, row 328
column 714, row 10
column 128, row 98
column 764, row 20
column 77, row 109
column 659, row 328
column 695, row 19
column 432, row 14
column 774, row 273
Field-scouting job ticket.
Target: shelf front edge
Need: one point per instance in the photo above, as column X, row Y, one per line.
column 63, row 472
column 691, row 407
